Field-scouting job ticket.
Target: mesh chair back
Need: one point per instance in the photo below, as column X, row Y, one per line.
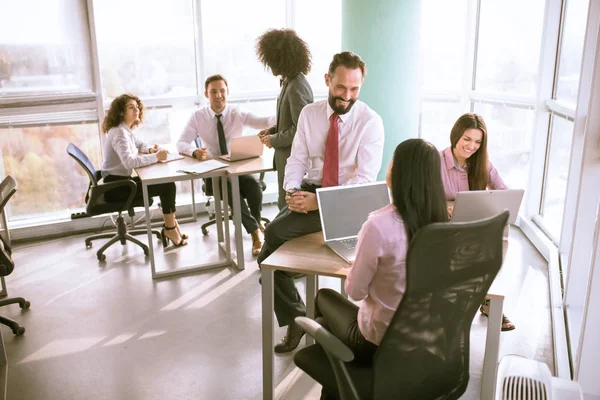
column 84, row 161
column 8, row 187
column 425, row 351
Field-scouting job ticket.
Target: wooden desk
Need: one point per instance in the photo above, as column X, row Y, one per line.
column 167, row 172
column 308, row 255
column 235, row 169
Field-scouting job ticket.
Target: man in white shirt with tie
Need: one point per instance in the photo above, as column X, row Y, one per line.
column 339, row 141
column 215, row 125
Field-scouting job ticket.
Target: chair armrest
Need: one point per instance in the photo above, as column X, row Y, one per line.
column 330, row 343
column 100, row 189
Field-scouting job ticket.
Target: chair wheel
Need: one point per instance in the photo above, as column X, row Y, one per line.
column 88, row 245
column 25, row 305
column 101, row 257
column 146, row 253
column 19, row 331
column 205, row 232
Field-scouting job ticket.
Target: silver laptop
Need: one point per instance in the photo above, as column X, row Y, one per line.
column 479, row 204
column 344, row 209
column 244, row 147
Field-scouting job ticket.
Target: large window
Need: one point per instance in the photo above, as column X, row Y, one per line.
column 161, row 51
column 144, row 51
column 50, row 183
column 44, row 47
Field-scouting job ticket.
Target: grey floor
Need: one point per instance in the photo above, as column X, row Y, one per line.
column 108, row 331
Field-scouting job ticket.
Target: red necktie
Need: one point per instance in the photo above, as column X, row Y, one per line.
column 331, row 161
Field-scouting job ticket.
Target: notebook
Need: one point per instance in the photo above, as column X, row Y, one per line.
column 244, row 147
column 203, row 167
column 478, row 204
column 344, row 209
column 171, row 157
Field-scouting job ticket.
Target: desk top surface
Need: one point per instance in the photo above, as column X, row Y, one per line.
column 161, row 171
column 307, row 255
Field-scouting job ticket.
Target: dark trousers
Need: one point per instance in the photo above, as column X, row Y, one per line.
column 339, row 316
column 250, row 190
column 286, row 226
column 166, row 192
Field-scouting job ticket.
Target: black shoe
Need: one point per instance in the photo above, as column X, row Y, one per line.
column 291, row 340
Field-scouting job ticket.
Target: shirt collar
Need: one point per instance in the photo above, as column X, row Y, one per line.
column 214, row 114
column 343, row 117
column 124, row 125
column 450, row 160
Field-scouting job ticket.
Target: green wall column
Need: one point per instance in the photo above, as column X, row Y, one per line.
column 385, row 33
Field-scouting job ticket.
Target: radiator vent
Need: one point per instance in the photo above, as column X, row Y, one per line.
column 523, row 388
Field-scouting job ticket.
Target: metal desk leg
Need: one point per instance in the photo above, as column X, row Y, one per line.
column 311, row 293
column 343, row 287
column 492, row 347
column 268, row 333
column 149, row 228
column 194, row 217
column 216, row 184
column 237, row 221
column 225, row 217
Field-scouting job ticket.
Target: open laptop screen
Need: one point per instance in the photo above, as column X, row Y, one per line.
column 344, row 209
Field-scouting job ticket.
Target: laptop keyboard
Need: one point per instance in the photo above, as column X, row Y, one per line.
column 350, row 244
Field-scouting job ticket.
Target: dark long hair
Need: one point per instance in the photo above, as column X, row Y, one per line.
column 114, row 116
column 284, row 51
column 477, row 164
column 417, row 188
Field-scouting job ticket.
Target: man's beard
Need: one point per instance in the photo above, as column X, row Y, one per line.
column 339, row 109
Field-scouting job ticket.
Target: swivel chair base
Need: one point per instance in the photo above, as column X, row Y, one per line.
column 13, row 325
column 122, row 236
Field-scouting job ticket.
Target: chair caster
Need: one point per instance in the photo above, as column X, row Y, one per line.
column 101, row 257
column 88, row 245
column 205, row 231
column 25, row 305
column 19, row 331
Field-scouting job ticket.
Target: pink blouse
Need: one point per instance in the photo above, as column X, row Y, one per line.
column 378, row 275
column 456, row 180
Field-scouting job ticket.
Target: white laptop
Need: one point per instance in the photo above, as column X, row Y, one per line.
column 343, row 211
column 479, row 204
column 244, row 147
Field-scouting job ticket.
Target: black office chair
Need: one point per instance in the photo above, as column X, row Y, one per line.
column 424, row 353
column 97, row 205
column 8, row 187
column 208, row 191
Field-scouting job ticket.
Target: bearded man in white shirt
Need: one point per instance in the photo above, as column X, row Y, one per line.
column 215, row 125
column 339, row 141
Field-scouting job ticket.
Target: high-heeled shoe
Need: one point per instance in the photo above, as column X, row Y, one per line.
column 183, row 235
column 165, row 238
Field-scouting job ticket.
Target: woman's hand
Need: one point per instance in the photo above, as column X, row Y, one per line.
column 162, row 154
column 153, row 149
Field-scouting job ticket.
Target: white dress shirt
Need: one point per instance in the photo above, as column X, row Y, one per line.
column 121, row 152
column 203, row 124
column 360, row 145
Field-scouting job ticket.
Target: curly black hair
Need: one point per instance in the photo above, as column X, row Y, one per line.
column 114, row 116
column 284, row 52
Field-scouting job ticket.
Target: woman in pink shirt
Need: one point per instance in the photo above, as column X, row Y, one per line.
column 378, row 275
column 465, row 166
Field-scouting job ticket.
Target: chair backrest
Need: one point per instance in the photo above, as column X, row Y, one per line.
column 84, row 161
column 8, row 187
column 424, row 353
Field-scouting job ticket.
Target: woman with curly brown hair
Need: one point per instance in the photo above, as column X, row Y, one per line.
column 122, row 154
column 286, row 55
